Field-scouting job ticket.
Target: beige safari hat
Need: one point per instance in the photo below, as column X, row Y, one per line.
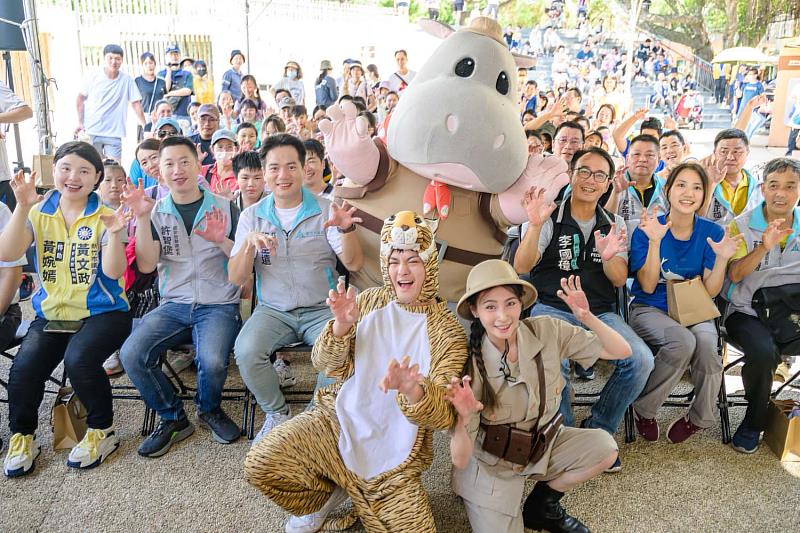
column 489, row 274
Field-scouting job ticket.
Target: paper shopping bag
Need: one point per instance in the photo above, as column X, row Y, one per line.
column 68, row 419
column 688, row 302
column 782, row 434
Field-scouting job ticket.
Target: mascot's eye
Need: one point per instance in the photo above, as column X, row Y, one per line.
column 417, row 220
column 465, row 67
column 502, row 83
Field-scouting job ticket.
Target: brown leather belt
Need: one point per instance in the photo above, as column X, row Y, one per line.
column 517, row 445
column 451, row 253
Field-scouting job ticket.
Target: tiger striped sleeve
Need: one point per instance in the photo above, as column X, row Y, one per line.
column 448, row 355
column 334, row 356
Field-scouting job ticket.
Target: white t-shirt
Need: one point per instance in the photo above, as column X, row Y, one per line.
column 396, row 80
column 8, row 102
column 106, row 107
column 288, row 216
column 5, row 217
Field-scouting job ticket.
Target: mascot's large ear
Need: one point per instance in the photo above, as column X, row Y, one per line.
column 438, row 29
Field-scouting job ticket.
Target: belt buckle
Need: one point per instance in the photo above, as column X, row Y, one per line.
column 441, row 248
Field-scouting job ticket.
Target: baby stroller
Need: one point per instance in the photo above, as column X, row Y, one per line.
column 689, row 110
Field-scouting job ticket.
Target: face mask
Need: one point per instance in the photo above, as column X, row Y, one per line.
column 292, row 74
column 223, row 157
column 201, row 72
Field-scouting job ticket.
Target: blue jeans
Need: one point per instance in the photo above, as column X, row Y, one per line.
column 623, row 386
column 107, row 146
column 214, row 329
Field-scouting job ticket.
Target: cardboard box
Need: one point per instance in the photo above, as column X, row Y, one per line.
column 783, row 434
column 43, row 166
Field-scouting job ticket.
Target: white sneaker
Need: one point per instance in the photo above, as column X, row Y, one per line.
column 22, row 453
column 312, row 523
column 272, row 420
column 284, row 371
column 95, row 447
column 113, row 366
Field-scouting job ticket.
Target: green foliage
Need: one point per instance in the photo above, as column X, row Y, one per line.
column 522, row 13
column 598, row 10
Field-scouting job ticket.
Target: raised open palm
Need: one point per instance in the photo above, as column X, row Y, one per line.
column 343, row 304
column 342, row 217
column 25, row 189
column 774, row 234
column 537, row 208
column 215, row 222
column 727, row 246
column 118, row 220
column 401, row 376
column 614, row 243
column 136, row 200
column 652, row 227
column 460, row 395
column 572, row 294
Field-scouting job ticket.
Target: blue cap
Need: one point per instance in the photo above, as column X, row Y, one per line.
column 223, row 134
column 173, row 48
column 164, row 121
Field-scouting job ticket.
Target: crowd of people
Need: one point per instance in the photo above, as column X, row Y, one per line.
column 234, row 194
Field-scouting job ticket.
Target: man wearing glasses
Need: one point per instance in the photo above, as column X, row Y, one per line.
column 638, row 188
column 735, row 189
column 579, row 237
column 163, row 128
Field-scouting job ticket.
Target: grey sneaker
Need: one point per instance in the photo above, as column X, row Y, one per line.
column 313, row 522
column 179, row 360
column 272, row 420
column 284, row 371
column 223, row 429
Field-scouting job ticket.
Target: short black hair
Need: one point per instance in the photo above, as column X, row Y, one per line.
column 360, row 104
column 315, row 147
column 248, row 159
column 576, row 91
column 401, row 51
column 781, row 164
column 731, row 133
column 178, row 140
column 85, row 151
column 673, row 133
column 246, row 125
column 597, row 151
column 646, row 139
column 147, row 144
column 113, row 49
column 247, row 102
column 533, row 133
column 394, row 93
column 651, row 123
column 190, row 106
column 532, row 82
column 282, row 139
column 147, row 55
column 299, row 111
column 373, row 122
column 570, row 124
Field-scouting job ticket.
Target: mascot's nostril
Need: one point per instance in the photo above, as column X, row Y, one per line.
column 452, row 123
column 405, row 227
column 499, row 141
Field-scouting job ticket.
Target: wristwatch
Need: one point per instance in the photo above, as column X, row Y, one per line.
column 350, row 229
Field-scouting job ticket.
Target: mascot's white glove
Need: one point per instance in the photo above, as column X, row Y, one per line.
column 548, row 173
column 348, row 143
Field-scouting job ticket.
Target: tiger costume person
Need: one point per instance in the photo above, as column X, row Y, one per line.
column 374, row 455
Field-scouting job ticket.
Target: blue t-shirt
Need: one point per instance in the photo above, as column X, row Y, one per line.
column 181, row 79
column 136, row 173
column 679, row 259
column 749, row 91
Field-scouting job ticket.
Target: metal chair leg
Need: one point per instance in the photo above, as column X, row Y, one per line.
column 251, row 428
column 245, row 412
column 630, row 426
column 724, row 415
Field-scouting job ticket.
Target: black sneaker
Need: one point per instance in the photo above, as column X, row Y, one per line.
column 585, row 374
column 223, row 429
column 167, row 433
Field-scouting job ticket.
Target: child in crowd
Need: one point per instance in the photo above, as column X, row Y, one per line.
column 220, row 176
column 110, row 188
column 314, row 169
column 248, row 136
column 249, row 178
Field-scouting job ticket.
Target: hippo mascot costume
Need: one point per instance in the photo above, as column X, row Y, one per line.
column 455, row 150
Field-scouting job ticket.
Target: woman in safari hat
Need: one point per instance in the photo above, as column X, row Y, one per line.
column 325, row 87
column 515, row 431
column 292, row 81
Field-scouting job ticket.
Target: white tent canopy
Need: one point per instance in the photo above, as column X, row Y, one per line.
column 744, row 54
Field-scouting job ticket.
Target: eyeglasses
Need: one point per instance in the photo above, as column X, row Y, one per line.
column 166, row 133
column 570, row 142
column 585, row 173
column 735, row 153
